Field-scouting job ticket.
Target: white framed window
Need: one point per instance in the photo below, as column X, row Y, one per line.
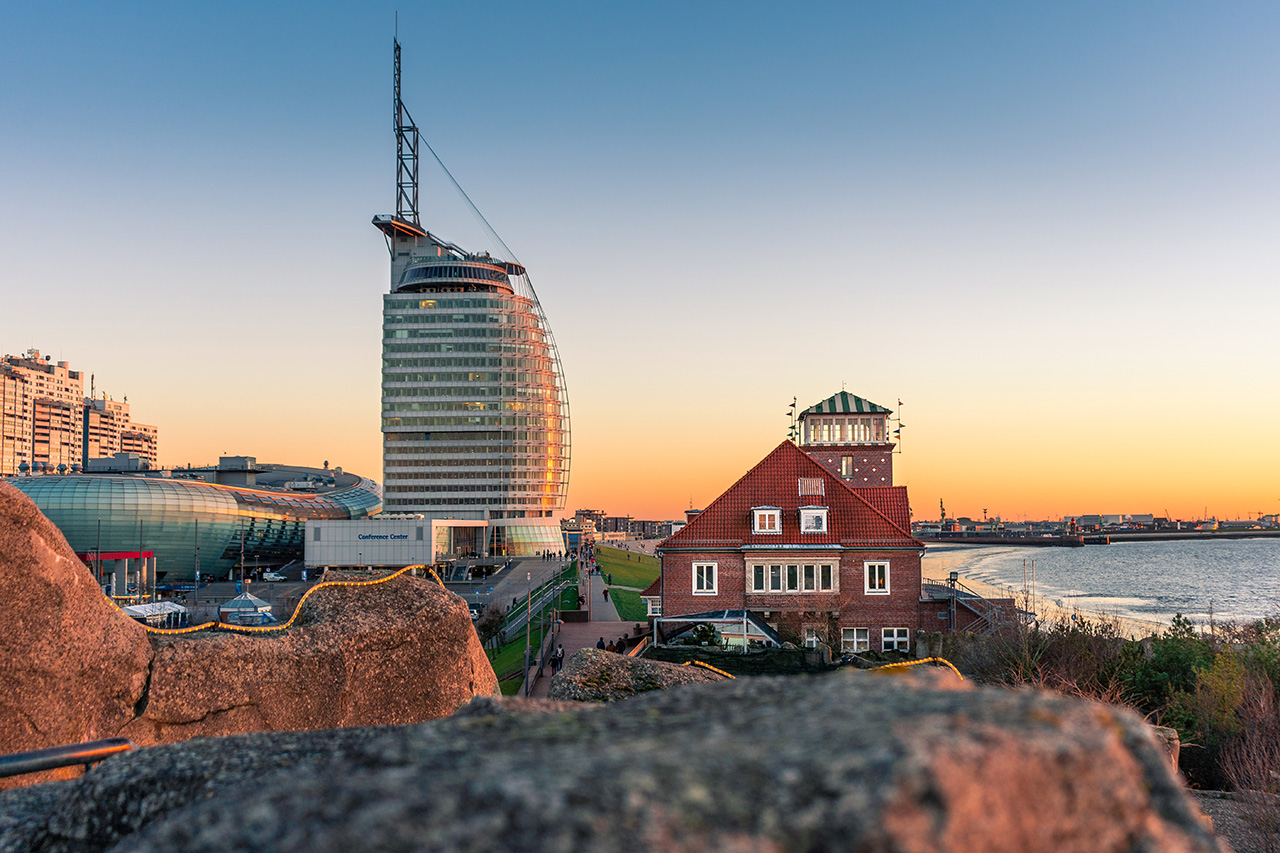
column 826, row 578
column 655, row 606
column 766, row 519
column 704, row 578
column 809, row 579
column 811, row 638
column 877, row 575
column 855, row 639
column 759, row 574
column 793, row 578
column 813, row 519
column 895, row 639
column 846, row 466
column 775, row 579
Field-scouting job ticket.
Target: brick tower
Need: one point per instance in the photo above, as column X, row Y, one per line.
column 849, row 436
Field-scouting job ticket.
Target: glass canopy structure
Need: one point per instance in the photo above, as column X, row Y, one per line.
column 190, row 523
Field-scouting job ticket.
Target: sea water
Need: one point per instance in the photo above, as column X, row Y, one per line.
column 1234, row 579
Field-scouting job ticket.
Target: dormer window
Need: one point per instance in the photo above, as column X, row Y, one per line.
column 766, row 519
column 813, row 519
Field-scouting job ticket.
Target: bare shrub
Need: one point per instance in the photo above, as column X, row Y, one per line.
column 1251, row 760
column 1077, row 657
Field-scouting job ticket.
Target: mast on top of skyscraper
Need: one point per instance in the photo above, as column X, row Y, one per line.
column 406, row 220
column 406, row 155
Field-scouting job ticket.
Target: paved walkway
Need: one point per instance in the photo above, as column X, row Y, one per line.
column 604, row 625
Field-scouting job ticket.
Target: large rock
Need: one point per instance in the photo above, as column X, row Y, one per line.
column 398, row 652
column 72, row 666
column 851, row 761
column 591, row 675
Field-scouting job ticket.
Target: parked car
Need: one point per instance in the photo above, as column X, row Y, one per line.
column 272, row 576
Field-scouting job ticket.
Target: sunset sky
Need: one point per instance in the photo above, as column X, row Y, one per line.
column 1051, row 230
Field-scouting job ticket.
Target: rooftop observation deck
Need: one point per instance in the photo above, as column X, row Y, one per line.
column 437, row 265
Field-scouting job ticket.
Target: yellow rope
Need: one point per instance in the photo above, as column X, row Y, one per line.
column 707, row 666
column 942, row 661
column 262, row 629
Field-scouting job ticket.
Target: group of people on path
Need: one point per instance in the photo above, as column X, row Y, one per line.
column 619, row 646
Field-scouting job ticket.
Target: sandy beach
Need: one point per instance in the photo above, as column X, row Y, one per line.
column 938, row 563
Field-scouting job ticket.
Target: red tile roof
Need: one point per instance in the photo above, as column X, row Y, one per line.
column 653, row 590
column 870, row 517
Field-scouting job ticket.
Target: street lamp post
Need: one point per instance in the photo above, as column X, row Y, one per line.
column 528, row 626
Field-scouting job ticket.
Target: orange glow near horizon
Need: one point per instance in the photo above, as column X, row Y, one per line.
column 647, row 463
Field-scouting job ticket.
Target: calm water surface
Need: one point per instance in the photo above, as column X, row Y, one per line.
column 1238, row 578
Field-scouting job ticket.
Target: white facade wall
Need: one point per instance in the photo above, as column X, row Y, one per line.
column 394, row 542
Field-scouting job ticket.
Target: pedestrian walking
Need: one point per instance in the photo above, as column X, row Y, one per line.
column 560, row 656
column 605, row 593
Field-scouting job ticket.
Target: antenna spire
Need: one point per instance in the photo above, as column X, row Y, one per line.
column 406, row 150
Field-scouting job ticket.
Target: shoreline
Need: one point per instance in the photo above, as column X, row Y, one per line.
column 1046, row 610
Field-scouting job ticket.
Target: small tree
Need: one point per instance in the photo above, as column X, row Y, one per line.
column 489, row 625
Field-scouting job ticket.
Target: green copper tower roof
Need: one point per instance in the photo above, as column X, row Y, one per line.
column 845, row 403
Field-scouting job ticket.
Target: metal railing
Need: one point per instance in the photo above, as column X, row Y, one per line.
column 51, row 758
column 538, row 599
column 990, row 615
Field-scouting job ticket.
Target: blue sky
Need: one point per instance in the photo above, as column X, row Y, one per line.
column 1049, row 229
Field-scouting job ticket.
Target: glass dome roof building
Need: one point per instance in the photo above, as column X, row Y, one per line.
column 186, row 522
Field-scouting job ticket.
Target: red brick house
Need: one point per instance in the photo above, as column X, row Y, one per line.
column 802, row 549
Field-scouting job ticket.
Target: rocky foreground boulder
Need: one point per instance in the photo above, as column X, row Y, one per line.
column 398, row 652
column 74, row 668
column 849, row 761
column 592, row 675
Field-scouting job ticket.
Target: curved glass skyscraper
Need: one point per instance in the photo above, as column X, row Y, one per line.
column 475, row 418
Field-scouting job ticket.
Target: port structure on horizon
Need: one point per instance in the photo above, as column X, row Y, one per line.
column 475, row 416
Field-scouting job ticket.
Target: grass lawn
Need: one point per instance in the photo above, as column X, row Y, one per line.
column 628, row 604
column 510, row 658
column 627, row 567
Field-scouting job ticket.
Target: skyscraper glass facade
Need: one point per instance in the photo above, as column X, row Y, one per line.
column 475, row 419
